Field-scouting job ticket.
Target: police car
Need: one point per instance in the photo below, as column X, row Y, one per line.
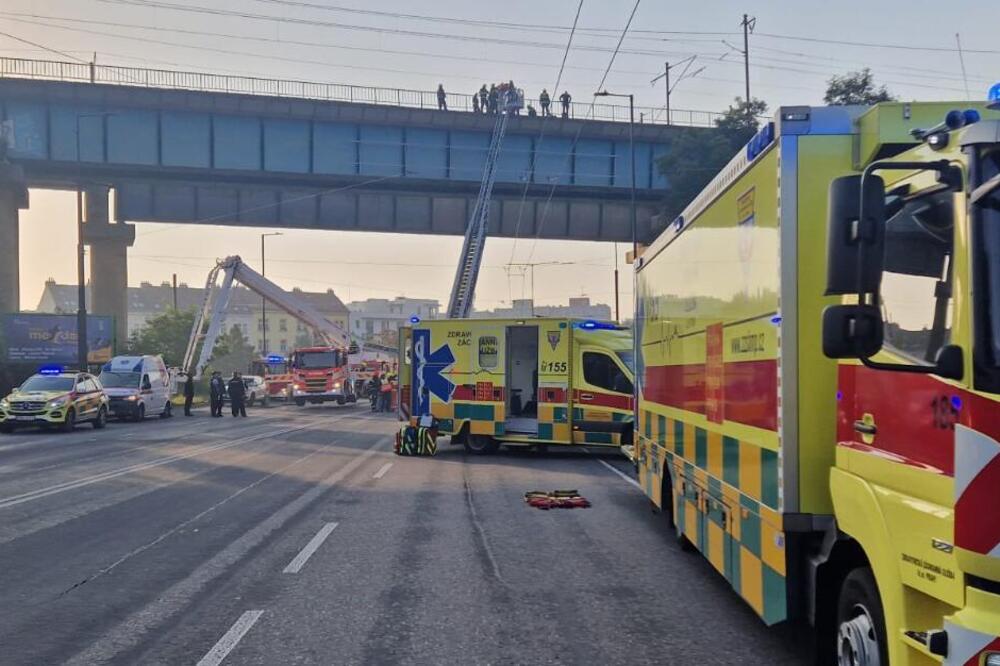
column 55, row 397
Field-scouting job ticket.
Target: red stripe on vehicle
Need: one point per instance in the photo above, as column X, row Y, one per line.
column 548, row 394
column 993, row 646
column 611, row 400
column 977, row 524
column 749, row 390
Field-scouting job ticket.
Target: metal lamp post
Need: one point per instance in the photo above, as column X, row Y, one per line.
column 631, row 149
column 263, row 301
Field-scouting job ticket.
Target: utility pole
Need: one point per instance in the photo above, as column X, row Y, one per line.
column 175, row 292
column 748, row 25
column 666, row 87
column 687, row 62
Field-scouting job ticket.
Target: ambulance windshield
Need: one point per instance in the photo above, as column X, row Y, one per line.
column 120, row 379
column 988, row 206
column 628, row 359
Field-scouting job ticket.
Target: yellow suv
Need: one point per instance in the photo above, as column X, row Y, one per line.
column 55, row 398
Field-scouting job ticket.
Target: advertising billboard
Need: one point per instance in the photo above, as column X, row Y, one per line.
column 51, row 338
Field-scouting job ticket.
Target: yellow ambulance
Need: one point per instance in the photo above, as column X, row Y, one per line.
column 838, row 462
column 519, row 382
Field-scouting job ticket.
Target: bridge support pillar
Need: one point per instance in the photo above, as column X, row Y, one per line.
column 13, row 197
column 109, row 243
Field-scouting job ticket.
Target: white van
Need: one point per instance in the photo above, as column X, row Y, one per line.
column 138, row 386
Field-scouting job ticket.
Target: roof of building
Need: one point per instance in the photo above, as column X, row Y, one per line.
column 151, row 299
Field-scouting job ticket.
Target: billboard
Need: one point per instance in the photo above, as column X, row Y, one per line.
column 51, row 338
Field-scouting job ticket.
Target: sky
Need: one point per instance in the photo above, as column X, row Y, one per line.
column 794, row 49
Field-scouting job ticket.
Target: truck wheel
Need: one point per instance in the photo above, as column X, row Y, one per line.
column 70, row 423
column 861, row 637
column 168, row 411
column 101, row 420
column 251, row 399
column 301, row 402
column 481, row 444
column 266, row 401
column 6, row 429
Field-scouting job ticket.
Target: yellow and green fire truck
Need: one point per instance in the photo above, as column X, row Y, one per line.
column 519, row 382
column 861, row 494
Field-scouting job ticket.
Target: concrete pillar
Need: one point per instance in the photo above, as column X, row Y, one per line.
column 109, row 243
column 13, row 196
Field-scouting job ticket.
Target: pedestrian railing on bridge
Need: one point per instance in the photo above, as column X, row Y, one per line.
column 54, row 70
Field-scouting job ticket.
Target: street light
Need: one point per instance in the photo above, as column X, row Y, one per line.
column 263, row 301
column 631, row 149
column 81, row 278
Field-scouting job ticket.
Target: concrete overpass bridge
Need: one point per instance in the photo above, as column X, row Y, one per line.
column 183, row 147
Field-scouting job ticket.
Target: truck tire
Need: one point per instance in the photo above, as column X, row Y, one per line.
column 252, row 399
column 265, row 401
column 140, row 414
column 481, row 445
column 168, row 411
column 861, row 637
column 301, row 402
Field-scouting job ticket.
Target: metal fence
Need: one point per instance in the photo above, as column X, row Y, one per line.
column 54, row 70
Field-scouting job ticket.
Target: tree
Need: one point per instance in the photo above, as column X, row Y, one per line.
column 856, row 88
column 741, row 119
column 165, row 334
column 694, row 155
column 232, row 352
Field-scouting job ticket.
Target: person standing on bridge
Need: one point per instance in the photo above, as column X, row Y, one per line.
column 217, row 388
column 494, row 98
column 188, row 394
column 543, row 101
column 442, row 98
column 475, row 102
column 565, row 98
column 237, row 395
column 484, row 98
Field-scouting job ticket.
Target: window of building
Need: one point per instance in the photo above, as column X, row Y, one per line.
column 282, row 324
column 916, row 286
column 283, row 346
column 600, row 370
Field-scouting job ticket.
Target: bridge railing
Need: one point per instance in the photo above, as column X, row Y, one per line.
column 54, row 70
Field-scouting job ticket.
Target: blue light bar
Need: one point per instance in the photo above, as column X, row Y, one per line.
column 414, row 319
column 993, row 97
column 50, row 370
column 275, row 358
column 591, row 325
column 971, row 116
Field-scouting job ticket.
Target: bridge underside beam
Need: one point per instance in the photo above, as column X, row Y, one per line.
column 383, row 211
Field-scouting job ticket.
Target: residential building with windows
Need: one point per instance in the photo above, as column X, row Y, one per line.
column 378, row 319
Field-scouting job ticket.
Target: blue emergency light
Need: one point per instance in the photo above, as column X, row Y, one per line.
column 414, row 319
column 591, row 325
column 50, row 370
column 275, row 358
column 993, row 97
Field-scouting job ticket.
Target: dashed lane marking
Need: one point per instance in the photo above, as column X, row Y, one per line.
column 300, row 560
column 381, row 471
column 231, row 638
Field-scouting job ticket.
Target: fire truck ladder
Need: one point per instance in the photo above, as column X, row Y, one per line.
column 471, row 259
column 216, row 301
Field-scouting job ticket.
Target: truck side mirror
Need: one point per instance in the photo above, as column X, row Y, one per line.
column 950, row 362
column 146, row 385
column 852, row 331
column 855, row 246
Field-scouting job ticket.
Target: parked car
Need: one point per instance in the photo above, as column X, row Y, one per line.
column 256, row 391
column 137, row 386
column 55, row 398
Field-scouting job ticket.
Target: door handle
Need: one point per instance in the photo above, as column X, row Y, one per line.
column 586, row 396
column 865, row 428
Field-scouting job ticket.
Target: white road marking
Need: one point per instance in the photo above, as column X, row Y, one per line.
column 231, row 638
column 138, row 467
column 621, row 474
column 381, row 471
column 300, row 560
column 130, row 632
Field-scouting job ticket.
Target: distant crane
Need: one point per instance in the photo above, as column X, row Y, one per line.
column 463, row 290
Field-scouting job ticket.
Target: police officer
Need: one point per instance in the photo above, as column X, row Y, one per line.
column 217, row 389
column 188, row 394
column 237, row 395
column 375, row 390
column 442, row 98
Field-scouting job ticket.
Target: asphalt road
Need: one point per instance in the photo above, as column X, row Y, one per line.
column 294, row 536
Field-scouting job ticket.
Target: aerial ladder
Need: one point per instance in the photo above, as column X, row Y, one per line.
column 463, row 290
column 216, row 301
